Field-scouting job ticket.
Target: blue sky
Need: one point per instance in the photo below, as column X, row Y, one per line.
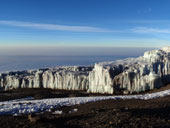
column 84, row 23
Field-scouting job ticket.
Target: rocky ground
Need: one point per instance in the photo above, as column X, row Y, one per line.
column 110, row 113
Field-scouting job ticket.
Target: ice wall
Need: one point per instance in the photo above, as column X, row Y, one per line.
column 122, row 76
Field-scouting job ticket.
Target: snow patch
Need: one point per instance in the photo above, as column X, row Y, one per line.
column 73, row 111
column 58, row 112
column 36, row 106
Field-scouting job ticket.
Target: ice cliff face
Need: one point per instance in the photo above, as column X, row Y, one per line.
column 68, row 78
column 122, row 76
column 145, row 73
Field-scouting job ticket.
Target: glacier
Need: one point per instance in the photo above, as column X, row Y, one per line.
column 131, row 75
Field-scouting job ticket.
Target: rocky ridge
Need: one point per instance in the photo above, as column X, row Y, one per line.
column 131, row 75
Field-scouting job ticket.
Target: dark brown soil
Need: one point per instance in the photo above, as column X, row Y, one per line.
column 101, row 114
column 42, row 93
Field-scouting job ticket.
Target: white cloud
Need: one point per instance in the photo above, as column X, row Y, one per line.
column 147, row 21
column 54, row 26
column 146, row 10
column 150, row 30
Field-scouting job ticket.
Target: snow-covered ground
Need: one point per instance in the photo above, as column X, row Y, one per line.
column 28, row 105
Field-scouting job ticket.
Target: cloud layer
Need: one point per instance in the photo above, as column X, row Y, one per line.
column 149, row 30
column 53, row 26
